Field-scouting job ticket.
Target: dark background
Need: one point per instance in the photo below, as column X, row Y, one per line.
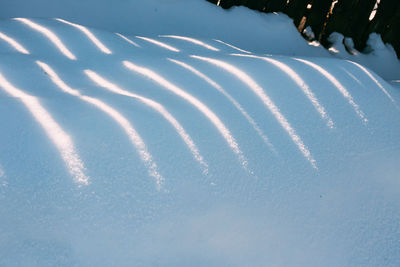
column 348, row 17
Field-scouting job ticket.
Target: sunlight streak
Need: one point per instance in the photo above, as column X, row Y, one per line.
column 158, row 43
column 314, row 43
column 61, row 139
column 14, row 43
column 234, row 47
column 3, row 181
column 50, row 35
column 258, row 90
column 229, row 97
column 224, row 131
column 127, row 39
column 374, row 79
column 300, row 83
column 156, row 106
column 374, row 10
column 191, row 40
column 89, row 34
column 338, row 85
column 351, row 75
column 333, row 50
column 134, row 137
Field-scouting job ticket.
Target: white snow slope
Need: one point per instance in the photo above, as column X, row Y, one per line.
column 180, row 150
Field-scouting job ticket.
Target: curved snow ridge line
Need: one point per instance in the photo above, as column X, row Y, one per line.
column 17, row 46
column 230, row 98
column 300, row 83
column 223, row 130
column 127, row 39
column 156, row 106
column 50, row 35
column 338, row 85
column 160, row 44
column 134, row 137
column 234, row 47
column 258, row 90
column 369, row 74
column 352, row 76
column 61, row 139
column 89, row 34
column 191, row 40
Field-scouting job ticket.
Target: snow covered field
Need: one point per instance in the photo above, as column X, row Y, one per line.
column 149, row 141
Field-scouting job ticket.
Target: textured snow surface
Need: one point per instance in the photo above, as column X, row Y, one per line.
column 249, row 30
column 178, row 150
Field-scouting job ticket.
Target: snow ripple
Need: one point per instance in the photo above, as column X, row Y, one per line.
column 158, row 43
column 127, row 39
column 156, row 106
column 191, row 40
column 133, row 135
column 338, row 85
column 375, row 81
column 232, row 46
column 89, row 34
column 301, row 83
column 224, row 131
column 61, row 139
column 17, row 46
column 50, row 35
column 258, row 90
column 230, row 98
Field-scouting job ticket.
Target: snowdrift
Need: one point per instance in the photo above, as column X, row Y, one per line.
column 272, row 33
column 184, row 150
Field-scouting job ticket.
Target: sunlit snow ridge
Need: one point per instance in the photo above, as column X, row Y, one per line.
column 133, row 135
column 158, row 43
column 50, row 35
column 69, row 153
column 156, row 106
column 58, row 136
column 301, row 83
column 338, row 85
column 192, row 40
column 258, row 90
column 14, row 43
column 195, row 102
column 89, row 34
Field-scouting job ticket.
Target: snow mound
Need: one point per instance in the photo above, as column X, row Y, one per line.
column 272, row 33
column 186, row 150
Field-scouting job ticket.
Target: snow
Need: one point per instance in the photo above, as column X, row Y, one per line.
column 152, row 133
column 380, row 57
column 239, row 27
